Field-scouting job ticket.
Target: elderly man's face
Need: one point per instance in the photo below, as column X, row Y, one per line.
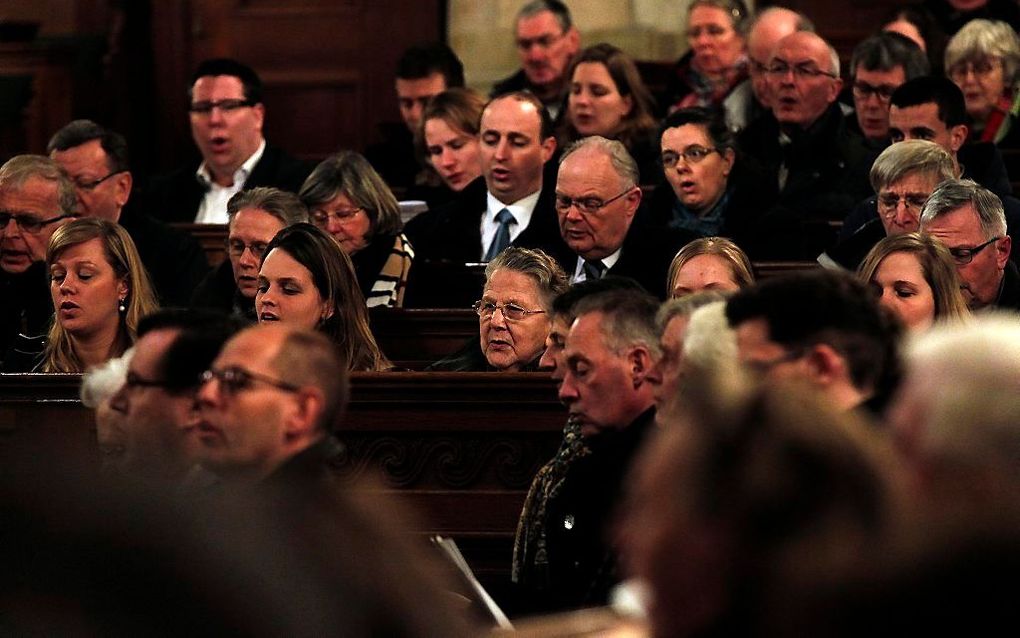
column 598, row 381
column 982, row 276
column 589, row 175
column 513, row 151
column 761, row 42
column 226, row 135
column 35, row 201
column 900, row 203
column 250, row 232
column 545, row 49
column 873, row 109
column 160, row 422
column 800, row 80
column 101, row 192
column 670, row 364
column 511, row 343
column 243, row 425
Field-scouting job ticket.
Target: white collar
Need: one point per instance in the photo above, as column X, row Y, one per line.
column 240, row 175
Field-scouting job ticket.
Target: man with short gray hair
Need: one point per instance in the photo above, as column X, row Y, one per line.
column 970, row 221
column 547, row 41
column 565, row 560
column 597, row 198
column 36, row 198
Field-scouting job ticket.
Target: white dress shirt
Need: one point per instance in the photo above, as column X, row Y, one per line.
column 213, row 207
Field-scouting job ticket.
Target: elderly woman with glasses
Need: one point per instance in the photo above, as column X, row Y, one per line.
column 513, row 314
column 983, row 59
column 903, row 176
column 709, row 190
column 350, row 201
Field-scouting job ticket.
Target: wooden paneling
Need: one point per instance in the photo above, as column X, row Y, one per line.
column 327, row 66
column 461, row 448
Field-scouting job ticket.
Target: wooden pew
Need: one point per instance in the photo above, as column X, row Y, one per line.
column 414, row 338
column 212, row 238
column 461, row 448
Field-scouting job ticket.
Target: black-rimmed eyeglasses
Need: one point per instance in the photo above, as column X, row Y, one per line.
column 963, row 256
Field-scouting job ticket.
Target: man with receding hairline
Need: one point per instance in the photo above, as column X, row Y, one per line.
column 268, row 405
column 818, row 167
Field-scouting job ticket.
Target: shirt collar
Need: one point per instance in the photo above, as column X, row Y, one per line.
column 522, row 209
column 240, row 175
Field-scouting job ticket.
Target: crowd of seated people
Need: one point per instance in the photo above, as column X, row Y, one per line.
column 738, row 445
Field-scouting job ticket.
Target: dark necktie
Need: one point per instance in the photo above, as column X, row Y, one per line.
column 502, row 239
column 593, row 269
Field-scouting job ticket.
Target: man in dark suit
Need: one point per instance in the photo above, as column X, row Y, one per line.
column 511, row 204
column 819, row 167
column 597, row 198
column 227, row 115
column 96, row 161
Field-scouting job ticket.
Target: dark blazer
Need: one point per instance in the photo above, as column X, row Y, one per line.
column 828, row 174
column 218, row 291
column 175, row 261
column 175, row 197
column 27, row 308
column 449, row 237
column 644, row 257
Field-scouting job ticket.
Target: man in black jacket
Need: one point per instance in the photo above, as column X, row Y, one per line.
column 96, row 161
column 226, row 115
column 818, row 166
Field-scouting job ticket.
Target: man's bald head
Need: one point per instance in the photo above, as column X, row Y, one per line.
column 804, row 79
column 769, row 27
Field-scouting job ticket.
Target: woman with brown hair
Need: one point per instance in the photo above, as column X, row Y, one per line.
column 307, row 280
column 607, row 97
column 708, row 263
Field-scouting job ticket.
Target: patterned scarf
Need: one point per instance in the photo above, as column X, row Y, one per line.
column 531, row 561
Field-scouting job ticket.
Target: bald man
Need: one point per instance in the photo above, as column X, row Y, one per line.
column 769, row 27
column 818, row 168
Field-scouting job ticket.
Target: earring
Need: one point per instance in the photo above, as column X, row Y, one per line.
column 122, row 307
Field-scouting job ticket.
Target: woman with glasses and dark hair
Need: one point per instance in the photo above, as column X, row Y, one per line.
column 514, row 314
column 915, row 277
column 307, row 280
column 253, row 217
column 714, row 72
column 100, row 291
column 709, row 190
column 983, row 59
column 347, row 198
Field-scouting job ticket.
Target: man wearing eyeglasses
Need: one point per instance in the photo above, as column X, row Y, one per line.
column 880, row 64
column 158, row 400
column 818, row 167
column 597, row 198
column 227, row 116
column 268, row 405
column 96, row 160
column 970, row 221
column 36, row 198
column 823, row 328
column 547, row 41
column 254, row 217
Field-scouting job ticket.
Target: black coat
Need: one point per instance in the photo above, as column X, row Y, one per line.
column 447, row 238
column 582, row 564
column 218, row 291
column 175, row 197
column 174, row 259
column 828, row 174
column 27, row 308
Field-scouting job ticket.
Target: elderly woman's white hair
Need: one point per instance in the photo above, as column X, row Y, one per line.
column 102, row 381
column 710, row 344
